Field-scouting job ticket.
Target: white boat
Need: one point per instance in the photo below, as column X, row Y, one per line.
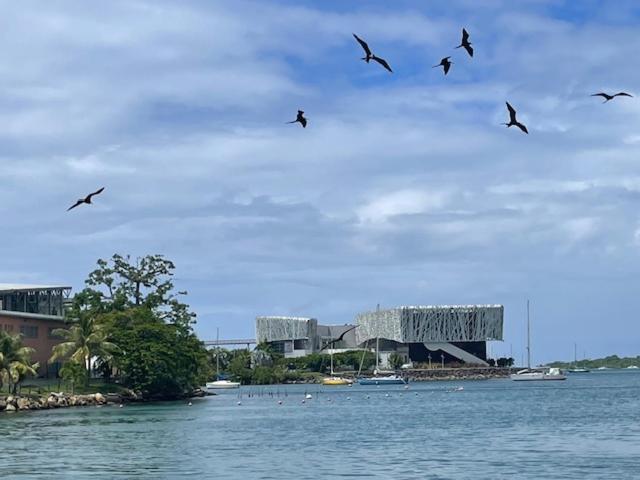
column 535, row 374
column 632, row 367
column 602, row 368
column 377, row 379
column 220, row 384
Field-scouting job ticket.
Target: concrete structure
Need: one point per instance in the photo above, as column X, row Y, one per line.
column 427, row 334
column 299, row 336
column 440, row 333
column 34, row 311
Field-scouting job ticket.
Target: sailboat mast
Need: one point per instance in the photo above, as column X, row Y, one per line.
column 528, row 337
column 217, row 353
column 377, row 352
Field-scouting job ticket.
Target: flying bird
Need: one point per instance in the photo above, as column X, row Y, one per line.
column 370, row 56
column 334, row 341
column 86, row 199
column 513, row 121
column 608, row 97
column 466, row 43
column 446, row 63
column 300, row 118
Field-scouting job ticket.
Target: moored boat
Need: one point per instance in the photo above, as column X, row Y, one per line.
column 382, row 380
column 222, row 385
column 531, row 374
column 335, row 381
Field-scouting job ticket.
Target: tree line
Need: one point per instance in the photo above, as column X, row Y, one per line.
column 130, row 325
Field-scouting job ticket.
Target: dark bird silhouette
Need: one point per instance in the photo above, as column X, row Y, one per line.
column 300, row 118
column 446, row 63
column 365, row 47
column 86, row 199
column 336, row 340
column 513, row 121
column 608, row 97
column 466, row 43
column 370, row 56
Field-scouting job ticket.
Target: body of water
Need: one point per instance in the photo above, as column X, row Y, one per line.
column 587, row 427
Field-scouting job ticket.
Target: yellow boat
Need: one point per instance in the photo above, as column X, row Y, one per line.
column 335, row 381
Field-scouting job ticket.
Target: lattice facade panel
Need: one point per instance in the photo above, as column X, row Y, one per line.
column 273, row 329
column 441, row 323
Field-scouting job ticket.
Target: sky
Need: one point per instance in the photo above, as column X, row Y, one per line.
column 404, row 189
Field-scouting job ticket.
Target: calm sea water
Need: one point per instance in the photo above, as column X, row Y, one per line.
column 587, row 427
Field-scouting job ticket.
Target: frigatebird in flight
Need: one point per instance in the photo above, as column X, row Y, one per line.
column 445, row 63
column 466, row 43
column 370, row 56
column 300, row 118
column 608, row 97
column 86, row 199
column 336, row 340
column 513, row 121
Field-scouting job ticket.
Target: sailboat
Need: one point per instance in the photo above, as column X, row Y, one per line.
column 220, row 384
column 381, row 379
column 335, row 380
column 575, row 368
column 535, row 374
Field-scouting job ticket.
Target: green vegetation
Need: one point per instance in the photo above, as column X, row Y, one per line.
column 132, row 323
column 15, row 362
column 264, row 366
column 612, row 361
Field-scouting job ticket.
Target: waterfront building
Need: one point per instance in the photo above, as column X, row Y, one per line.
column 434, row 334
column 34, row 311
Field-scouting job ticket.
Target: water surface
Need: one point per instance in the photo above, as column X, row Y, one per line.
column 587, row 427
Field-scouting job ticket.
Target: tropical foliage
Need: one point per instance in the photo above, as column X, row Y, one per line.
column 84, row 340
column 132, row 323
column 15, row 361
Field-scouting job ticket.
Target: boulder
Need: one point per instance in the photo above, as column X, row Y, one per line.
column 23, row 403
column 99, row 398
column 10, row 407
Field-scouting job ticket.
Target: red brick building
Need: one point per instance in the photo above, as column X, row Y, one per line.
column 34, row 311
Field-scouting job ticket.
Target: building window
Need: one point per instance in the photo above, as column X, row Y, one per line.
column 29, row 331
column 7, row 328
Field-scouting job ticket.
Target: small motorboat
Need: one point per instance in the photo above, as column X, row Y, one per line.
column 335, row 381
column 222, row 385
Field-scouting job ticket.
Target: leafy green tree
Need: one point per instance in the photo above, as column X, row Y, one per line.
column 240, row 366
column 395, row 361
column 84, row 339
column 124, row 283
column 15, row 361
column 159, row 359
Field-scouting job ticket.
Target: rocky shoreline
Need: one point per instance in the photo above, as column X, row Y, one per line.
column 14, row 403
column 434, row 374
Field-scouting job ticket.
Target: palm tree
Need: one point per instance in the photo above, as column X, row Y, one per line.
column 84, row 339
column 15, row 361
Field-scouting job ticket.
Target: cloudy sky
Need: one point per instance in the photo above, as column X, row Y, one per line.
column 403, row 189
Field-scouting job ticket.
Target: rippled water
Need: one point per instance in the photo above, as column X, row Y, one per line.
column 587, row 427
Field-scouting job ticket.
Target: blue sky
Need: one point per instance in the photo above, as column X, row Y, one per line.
column 404, row 188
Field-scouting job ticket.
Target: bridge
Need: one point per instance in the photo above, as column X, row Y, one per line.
column 234, row 341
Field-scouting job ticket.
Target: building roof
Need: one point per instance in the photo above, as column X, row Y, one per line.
column 20, row 287
column 34, row 316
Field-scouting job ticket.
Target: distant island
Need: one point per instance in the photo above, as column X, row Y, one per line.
column 612, row 361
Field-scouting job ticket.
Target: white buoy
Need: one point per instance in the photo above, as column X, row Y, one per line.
column 367, row 397
column 279, row 402
column 121, row 405
column 348, row 398
column 190, row 403
column 308, row 396
column 406, row 387
column 386, row 394
column 303, row 400
column 239, row 402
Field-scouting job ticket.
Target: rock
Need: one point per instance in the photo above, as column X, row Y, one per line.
column 10, row 407
column 99, row 398
column 23, row 403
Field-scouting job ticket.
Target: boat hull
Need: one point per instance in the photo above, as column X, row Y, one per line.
column 382, row 381
column 336, row 381
column 222, row 385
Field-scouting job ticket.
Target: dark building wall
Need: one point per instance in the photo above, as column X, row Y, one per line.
column 418, row 352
